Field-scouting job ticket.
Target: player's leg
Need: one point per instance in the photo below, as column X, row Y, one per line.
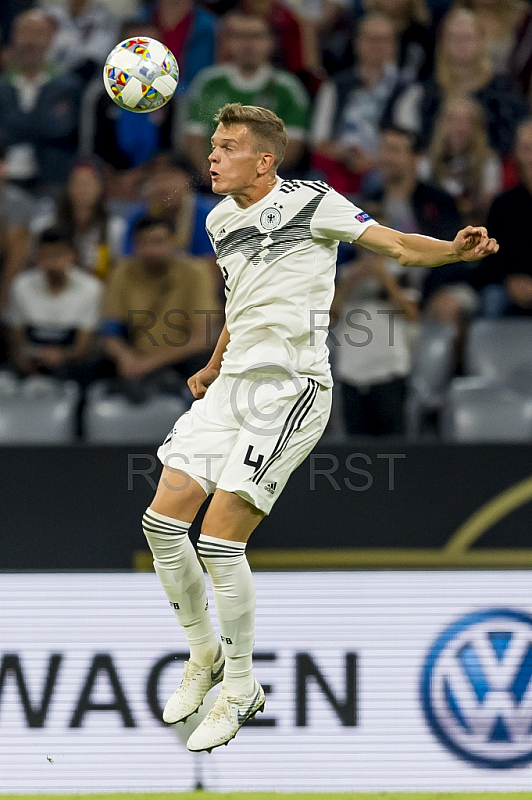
column 166, row 524
column 228, row 524
column 193, row 454
column 255, row 474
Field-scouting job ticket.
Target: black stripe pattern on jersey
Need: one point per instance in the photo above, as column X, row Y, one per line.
column 247, row 241
column 259, row 246
column 292, row 424
column 294, row 232
column 291, row 186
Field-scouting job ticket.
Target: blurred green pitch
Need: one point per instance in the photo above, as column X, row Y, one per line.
column 284, row 796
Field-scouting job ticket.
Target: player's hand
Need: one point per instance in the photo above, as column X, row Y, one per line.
column 200, row 382
column 473, row 243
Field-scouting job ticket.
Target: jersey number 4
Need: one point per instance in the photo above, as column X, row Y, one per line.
column 248, row 461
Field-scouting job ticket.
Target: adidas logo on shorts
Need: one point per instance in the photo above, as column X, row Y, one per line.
column 271, row 487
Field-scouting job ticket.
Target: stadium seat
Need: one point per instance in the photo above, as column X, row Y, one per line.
column 499, row 349
column 37, row 410
column 521, row 381
column 8, row 383
column 478, row 410
column 40, row 386
column 113, row 419
column 432, row 368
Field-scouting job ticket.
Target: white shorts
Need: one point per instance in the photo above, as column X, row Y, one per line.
column 249, row 433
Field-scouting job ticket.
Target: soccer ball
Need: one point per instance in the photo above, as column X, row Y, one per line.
column 141, row 74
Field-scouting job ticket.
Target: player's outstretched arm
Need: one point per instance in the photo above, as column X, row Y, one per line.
column 415, row 250
column 200, row 382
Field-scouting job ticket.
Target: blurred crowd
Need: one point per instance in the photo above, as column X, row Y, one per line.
column 420, row 111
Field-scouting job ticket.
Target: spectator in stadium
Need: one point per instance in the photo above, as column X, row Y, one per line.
column 438, row 9
column 409, row 205
column 121, row 8
column 500, row 21
column 8, row 11
column 335, row 22
column 17, row 209
column 160, row 312
column 462, row 67
column 411, row 19
column 82, row 209
column 189, row 31
column 53, row 310
column 251, row 80
column 85, row 33
column 38, row 112
column 167, row 193
column 508, row 279
column 520, row 61
column 123, row 140
column 296, row 48
column 348, row 109
column 372, row 309
column 460, row 160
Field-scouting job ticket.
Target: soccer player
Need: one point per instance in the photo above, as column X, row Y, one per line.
column 262, row 401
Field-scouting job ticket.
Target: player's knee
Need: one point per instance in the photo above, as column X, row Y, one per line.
column 230, row 517
column 178, row 495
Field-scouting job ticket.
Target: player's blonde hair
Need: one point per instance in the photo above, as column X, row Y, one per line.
column 267, row 128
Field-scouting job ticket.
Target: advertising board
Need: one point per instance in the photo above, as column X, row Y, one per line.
column 375, row 681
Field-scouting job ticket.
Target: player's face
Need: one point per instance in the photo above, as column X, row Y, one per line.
column 234, row 159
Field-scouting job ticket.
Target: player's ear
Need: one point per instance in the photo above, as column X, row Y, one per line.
column 266, row 163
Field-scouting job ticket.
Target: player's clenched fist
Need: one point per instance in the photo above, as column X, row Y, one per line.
column 473, row 243
column 200, row 382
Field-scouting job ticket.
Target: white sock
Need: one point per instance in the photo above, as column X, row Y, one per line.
column 234, row 596
column 182, row 579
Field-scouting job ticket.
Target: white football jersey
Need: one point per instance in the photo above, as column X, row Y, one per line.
column 278, row 259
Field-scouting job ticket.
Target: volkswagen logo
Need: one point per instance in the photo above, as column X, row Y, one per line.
column 476, row 688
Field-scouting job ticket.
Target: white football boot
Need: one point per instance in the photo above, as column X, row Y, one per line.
column 225, row 719
column 196, row 682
